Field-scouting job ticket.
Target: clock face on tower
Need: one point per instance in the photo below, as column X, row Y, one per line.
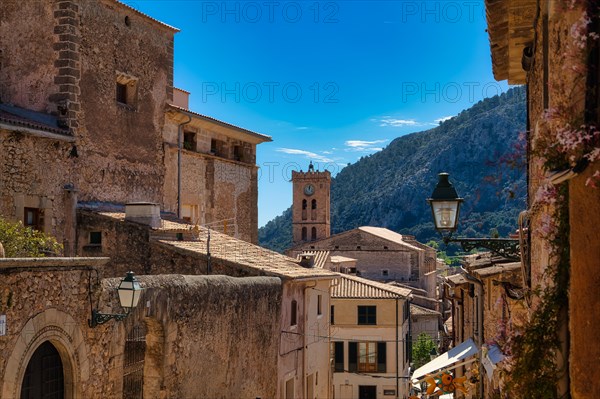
column 309, row 189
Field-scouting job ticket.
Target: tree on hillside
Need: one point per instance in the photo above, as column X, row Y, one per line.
column 421, row 350
column 24, row 242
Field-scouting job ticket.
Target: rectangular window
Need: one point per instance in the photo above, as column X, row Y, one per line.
column 385, row 273
column 213, row 147
column 121, row 93
column 189, row 141
column 319, row 304
column 238, row 153
column 95, row 238
column 126, row 90
column 332, row 315
column 33, row 217
column 367, row 315
column 366, row 357
column 294, row 314
column 338, row 357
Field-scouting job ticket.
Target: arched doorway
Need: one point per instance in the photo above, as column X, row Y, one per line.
column 44, row 378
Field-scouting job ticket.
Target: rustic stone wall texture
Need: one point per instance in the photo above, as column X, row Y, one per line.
column 121, row 144
column 373, row 255
column 33, row 172
column 27, row 55
column 552, row 81
column 206, row 336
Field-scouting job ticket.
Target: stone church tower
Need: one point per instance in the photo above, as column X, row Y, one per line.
column 310, row 209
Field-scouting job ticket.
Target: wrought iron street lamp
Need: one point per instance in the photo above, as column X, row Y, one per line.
column 445, row 207
column 129, row 295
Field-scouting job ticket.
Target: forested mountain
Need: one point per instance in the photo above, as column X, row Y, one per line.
column 481, row 150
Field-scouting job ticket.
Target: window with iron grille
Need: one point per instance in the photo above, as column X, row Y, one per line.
column 134, row 355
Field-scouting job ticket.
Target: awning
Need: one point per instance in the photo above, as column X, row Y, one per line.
column 444, row 361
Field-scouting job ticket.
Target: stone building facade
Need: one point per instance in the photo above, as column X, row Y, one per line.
column 378, row 254
column 45, row 306
column 87, row 103
column 552, row 47
column 177, row 247
column 488, row 304
column 370, row 339
column 219, row 176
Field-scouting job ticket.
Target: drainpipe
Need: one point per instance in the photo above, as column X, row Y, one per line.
column 397, row 360
column 305, row 342
column 479, row 283
column 333, row 284
column 179, row 147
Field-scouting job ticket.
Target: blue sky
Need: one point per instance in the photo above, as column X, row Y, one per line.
column 330, row 81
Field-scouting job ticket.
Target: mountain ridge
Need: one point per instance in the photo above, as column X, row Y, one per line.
column 479, row 147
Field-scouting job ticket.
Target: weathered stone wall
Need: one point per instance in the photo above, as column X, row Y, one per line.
column 224, row 190
column 373, row 255
column 120, row 145
column 27, row 56
column 65, row 58
column 553, row 81
column 584, row 216
column 206, row 336
column 130, row 248
column 33, row 172
column 126, row 243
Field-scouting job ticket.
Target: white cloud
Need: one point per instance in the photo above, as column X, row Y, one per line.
column 307, row 154
column 394, row 122
column 443, row 119
column 364, row 145
column 302, row 128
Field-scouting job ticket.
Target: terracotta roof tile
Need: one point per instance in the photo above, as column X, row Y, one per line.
column 357, row 287
column 261, row 136
column 231, row 249
column 417, row 310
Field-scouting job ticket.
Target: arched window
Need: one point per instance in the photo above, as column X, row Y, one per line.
column 304, row 234
column 314, row 204
column 314, row 233
column 304, row 206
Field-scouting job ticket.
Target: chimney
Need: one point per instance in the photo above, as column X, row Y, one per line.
column 307, row 260
column 181, row 98
column 147, row 213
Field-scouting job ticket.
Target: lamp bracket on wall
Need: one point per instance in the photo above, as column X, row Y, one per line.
column 101, row 318
column 505, row 247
